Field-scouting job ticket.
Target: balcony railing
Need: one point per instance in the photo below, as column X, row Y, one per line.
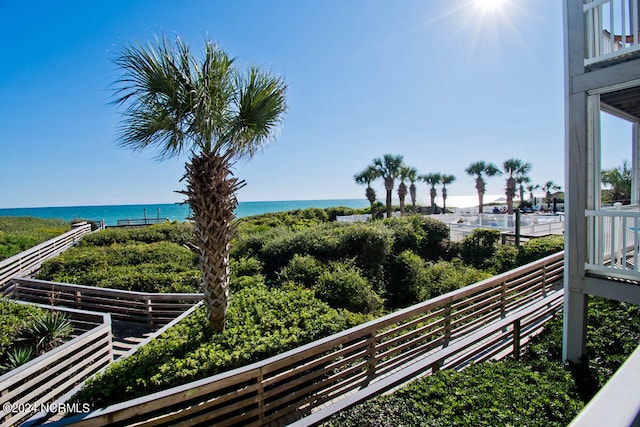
column 611, row 29
column 614, row 240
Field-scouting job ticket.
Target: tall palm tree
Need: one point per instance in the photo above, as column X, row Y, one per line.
column 530, row 189
column 445, row 180
column 367, row 176
column 388, row 168
column 478, row 169
column 432, row 179
column 548, row 187
column 405, row 171
column 513, row 168
column 412, row 176
column 215, row 114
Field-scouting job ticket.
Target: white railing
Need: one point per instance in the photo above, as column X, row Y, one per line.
column 615, row 405
column 530, row 225
column 614, row 239
column 30, row 260
column 611, row 29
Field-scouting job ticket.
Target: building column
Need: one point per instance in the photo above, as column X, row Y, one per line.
column 635, row 164
column 579, row 158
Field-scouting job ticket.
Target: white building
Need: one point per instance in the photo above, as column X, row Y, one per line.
column 602, row 73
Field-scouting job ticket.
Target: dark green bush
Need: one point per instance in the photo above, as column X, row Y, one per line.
column 407, row 280
column 368, row 243
column 246, row 266
column 303, row 270
column 260, row 323
column 538, row 248
column 13, row 317
column 479, row 246
column 447, row 276
column 343, row 286
column 504, row 259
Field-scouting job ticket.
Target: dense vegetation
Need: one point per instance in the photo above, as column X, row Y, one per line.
column 535, row 391
column 261, row 322
column 296, row 277
column 27, row 331
column 20, row 233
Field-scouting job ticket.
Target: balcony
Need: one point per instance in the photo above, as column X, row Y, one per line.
column 611, row 29
column 614, row 240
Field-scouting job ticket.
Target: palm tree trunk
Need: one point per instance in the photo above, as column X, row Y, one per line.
column 412, row 194
column 480, row 200
column 444, row 200
column 388, row 185
column 433, row 200
column 211, row 190
column 371, row 196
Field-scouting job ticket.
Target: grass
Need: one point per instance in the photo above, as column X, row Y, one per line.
column 21, row 233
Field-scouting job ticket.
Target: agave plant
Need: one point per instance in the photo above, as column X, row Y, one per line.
column 16, row 356
column 46, row 332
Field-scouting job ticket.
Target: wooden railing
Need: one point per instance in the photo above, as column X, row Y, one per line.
column 152, row 308
column 611, row 29
column 30, row 387
column 614, row 241
column 30, row 260
column 483, row 320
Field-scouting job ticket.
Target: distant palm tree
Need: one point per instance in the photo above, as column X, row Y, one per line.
column 388, row 168
column 214, row 114
column 521, row 181
column 445, row 180
column 548, row 187
column 405, row 171
column 619, row 179
column 530, row 189
column 478, row 169
column 367, row 176
column 513, row 168
column 432, row 179
column 412, row 176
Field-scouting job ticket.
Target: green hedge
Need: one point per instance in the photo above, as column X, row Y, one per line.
column 18, row 234
column 176, row 232
column 153, row 267
column 261, row 322
column 412, row 280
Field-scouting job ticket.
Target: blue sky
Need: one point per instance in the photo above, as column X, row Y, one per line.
column 444, row 83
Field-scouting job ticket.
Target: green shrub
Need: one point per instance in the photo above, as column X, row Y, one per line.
column 246, row 266
column 13, row 317
column 504, row 259
column 175, row 232
column 18, row 234
column 447, row 276
column 479, row 246
column 407, row 280
column 343, row 286
column 368, row 243
column 490, row 394
column 538, row 248
column 154, row 267
column 261, row 322
column 303, row 270
column 422, row 235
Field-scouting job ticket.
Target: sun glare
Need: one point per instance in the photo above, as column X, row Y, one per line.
column 488, row 5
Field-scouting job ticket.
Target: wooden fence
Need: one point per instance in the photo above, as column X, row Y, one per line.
column 152, row 308
column 30, row 260
column 26, row 389
column 477, row 322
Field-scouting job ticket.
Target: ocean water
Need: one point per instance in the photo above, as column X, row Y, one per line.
column 174, row 212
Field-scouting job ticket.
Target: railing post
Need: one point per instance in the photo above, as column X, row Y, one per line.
column 260, row 380
column 447, row 325
column 371, row 356
column 149, row 309
column 78, row 298
column 516, row 339
column 503, row 298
